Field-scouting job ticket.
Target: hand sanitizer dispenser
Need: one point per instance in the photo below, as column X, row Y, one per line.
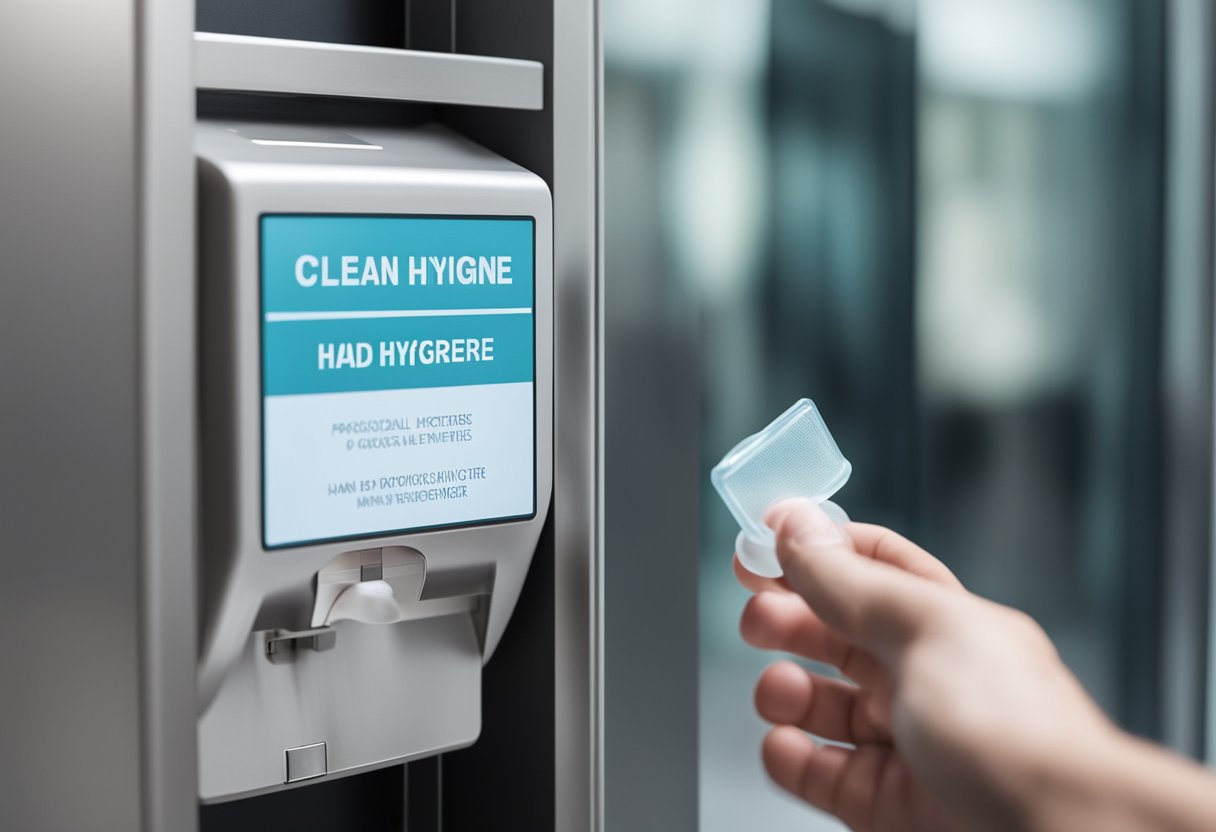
column 377, row 441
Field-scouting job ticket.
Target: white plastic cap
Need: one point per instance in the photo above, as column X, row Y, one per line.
column 793, row 457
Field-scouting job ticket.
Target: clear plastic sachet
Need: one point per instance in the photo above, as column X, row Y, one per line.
column 795, row 456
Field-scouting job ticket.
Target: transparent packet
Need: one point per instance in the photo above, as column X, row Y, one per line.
column 795, row 456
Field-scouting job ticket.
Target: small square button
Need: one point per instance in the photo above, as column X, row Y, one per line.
column 305, row 761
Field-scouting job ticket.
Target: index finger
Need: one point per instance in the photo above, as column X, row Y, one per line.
column 873, row 604
column 883, row 545
column 875, row 542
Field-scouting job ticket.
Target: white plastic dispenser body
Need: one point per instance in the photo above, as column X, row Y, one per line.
column 376, row 343
column 794, row 457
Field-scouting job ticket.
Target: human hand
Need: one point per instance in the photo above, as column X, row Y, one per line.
column 962, row 715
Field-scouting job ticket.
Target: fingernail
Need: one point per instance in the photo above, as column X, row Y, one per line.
column 808, row 523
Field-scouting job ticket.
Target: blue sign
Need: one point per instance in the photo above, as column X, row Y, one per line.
column 421, row 328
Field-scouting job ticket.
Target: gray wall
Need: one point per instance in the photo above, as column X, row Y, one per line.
column 69, row 601
column 96, row 417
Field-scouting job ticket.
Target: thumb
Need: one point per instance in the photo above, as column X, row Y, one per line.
column 871, row 604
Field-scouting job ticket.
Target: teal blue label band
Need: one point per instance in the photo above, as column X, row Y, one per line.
column 391, row 303
column 339, row 356
column 315, row 263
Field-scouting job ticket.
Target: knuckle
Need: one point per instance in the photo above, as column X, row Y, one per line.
column 1024, row 628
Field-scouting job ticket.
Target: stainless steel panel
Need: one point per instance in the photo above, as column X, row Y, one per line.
column 255, row 64
column 167, row 413
column 1187, row 374
column 69, row 502
column 578, row 261
column 96, row 223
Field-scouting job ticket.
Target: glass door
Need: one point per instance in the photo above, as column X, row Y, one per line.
column 951, row 223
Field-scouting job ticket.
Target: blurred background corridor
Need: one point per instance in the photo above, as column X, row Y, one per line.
column 946, row 222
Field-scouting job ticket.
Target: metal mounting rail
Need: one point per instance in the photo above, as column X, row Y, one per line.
column 242, row 63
